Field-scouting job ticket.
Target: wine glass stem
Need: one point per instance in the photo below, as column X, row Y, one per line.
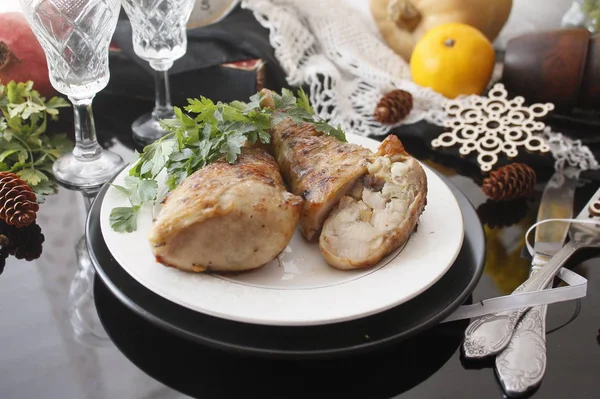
column 86, row 144
column 162, row 106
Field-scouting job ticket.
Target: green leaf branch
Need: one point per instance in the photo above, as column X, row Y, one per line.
column 25, row 148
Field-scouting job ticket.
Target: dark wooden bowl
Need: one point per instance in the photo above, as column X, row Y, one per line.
column 547, row 66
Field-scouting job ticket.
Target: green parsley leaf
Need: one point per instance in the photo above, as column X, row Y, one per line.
column 204, row 107
column 140, row 190
column 240, row 106
column 285, row 101
column 153, row 159
column 184, row 119
column 326, row 128
column 44, row 189
column 57, row 102
column 176, row 176
column 182, row 155
column 122, row 189
column 264, row 137
column 304, row 102
column 299, row 115
column 8, row 153
column 32, row 176
column 123, row 219
column 255, row 100
column 146, row 190
column 232, row 147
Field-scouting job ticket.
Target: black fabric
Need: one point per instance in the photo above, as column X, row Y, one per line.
column 237, row 37
column 417, row 138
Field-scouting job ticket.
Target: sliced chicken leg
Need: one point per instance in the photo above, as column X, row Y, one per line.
column 380, row 213
column 226, row 217
column 320, row 168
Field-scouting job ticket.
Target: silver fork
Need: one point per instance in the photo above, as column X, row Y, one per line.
column 581, row 236
column 521, row 366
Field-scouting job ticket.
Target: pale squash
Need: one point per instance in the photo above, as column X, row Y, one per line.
column 403, row 22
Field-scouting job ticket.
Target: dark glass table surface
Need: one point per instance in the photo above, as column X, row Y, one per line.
column 44, row 355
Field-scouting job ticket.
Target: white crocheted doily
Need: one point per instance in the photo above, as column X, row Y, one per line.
column 331, row 47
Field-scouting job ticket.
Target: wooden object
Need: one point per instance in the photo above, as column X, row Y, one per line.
column 589, row 93
column 551, row 67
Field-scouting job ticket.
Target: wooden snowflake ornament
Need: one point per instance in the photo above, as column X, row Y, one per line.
column 493, row 125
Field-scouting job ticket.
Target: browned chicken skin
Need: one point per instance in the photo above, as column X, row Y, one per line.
column 226, row 217
column 318, row 167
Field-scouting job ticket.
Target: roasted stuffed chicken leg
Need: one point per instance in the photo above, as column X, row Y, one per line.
column 363, row 205
column 318, row 167
column 226, row 217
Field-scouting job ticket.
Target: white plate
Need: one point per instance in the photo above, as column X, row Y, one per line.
column 299, row 288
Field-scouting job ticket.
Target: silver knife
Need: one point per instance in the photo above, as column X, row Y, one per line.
column 522, row 364
column 490, row 334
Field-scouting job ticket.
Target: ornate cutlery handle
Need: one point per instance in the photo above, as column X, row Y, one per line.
column 522, row 364
column 490, row 334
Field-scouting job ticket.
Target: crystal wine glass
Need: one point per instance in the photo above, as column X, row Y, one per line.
column 75, row 35
column 159, row 37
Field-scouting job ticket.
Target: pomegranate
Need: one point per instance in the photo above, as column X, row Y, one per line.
column 21, row 55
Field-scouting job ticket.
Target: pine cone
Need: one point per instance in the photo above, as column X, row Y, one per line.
column 18, row 203
column 22, row 243
column 502, row 213
column 393, row 107
column 509, row 182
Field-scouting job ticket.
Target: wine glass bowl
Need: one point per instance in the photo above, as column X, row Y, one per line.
column 159, row 29
column 76, row 54
column 160, row 38
column 75, row 35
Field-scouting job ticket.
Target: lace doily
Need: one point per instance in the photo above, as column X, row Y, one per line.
column 329, row 46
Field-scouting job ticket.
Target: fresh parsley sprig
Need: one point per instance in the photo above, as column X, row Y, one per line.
column 208, row 131
column 25, row 149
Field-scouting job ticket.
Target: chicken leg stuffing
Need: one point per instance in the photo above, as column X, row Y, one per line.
column 380, row 212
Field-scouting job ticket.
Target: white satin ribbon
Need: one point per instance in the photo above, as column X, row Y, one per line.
column 577, row 288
